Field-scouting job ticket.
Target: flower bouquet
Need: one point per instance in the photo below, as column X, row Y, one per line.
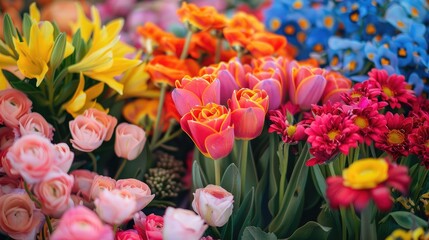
column 97, row 136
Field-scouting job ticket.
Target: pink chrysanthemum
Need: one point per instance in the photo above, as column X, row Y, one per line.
column 394, row 140
column 290, row 133
column 393, row 88
column 330, row 134
column 373, row 179
column 419, row 143
column 370, row 122
column 361, row 90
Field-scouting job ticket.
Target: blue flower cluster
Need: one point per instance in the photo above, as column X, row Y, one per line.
column 354, row 36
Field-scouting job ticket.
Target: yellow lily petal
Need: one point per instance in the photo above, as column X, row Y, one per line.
column 95, row 91
column 41, row 40
column 121, row 49
column 107, row 79
column 107, row 35
column 4, row 84
column 69, row 50
column 78, row 100
column 98, row 61
column 6, row 61
column 34, row 12
column 83, row 23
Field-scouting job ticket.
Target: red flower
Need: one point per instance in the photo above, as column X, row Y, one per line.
column 363, row 90
column 394, row 139
column 419, row 143
column 329, row 135
column 290, row 133
column 393, row 88
column 370, row 122
column 342, row 194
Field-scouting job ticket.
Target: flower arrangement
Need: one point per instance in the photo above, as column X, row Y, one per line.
column 97, row 136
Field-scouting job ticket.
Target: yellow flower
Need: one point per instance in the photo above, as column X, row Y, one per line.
column 366, row 173
column 83, row 100
column 34, row 12
column 399, row 234
column 83, row 24
column 3, row 82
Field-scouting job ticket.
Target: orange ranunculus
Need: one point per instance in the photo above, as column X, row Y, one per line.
column 152, row 36
column 275, row 44
column 201, row 43
column 248, row 109
column 209, row 126
column 167, row 69
column 242, row 20
column 335, row 85
column 238, row 38
column 201, row 18
column 172, row 45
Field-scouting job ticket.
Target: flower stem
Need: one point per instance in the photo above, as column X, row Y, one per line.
column 219, row 41
column 38, row 205
column 115, row 229
column 217, row 171
column 283, row 171
column 216, row 231
column 48, row 222
column 124, row 162
column 243, row 165
column 94, row 161
column 186, row 46
column 157, row 130
column 367, row 232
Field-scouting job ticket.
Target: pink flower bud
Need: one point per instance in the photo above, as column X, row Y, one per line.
column 139, row 189
column 99, row 184
column 116, row 206
column 109, row 122
column 64, row 158
column 34, row 123
column 130, row 141
column 87, row 133
column 182, row 224
column 130, row 234
column 13, row 105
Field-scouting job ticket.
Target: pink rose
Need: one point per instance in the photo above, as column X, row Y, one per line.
column 130, row 141
column 13, row 105
column 214, row 204
column 54, row 193
column 149, row 227
column 7, row 167
column 34, row 123
column 182, row 224
column 99, row 184
column 7, row 137
column 109, row 122
column 83, row 224
column 87, row 133
column 64, row 158
column 8, row 184
column 130, row 234
column 139, row 189
column 32, row 156
column 82, row 182
column 19, row 217
column 116, row 206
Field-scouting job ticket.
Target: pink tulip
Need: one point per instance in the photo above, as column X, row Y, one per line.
column 214, row 204
column 7, row 137
column 210, row 128
column 130, row 234
column 19, row 217
column 270, row 82
column 195, row 91
column 149, row 227
column 81, row 223
column 8, row 185
column 130, row 141
column 64, row 158
column 32, row 156
column 336, row 84
column 87, row 133
column 138, row 189
column 34, row 123
column 306, row 85
column 115, row 206
column 109, row 122
column 13, row 105
column 82, row 182
column 182, row 224
column 54, row 193
column 248, row 109
column 101, row 183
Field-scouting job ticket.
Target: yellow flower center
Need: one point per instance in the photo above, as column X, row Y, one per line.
column 291, row 130
column 370, row 29
column 361, row 122
column 303, row 23
column 328, row 21
column 385, row 61
column 414, row 12
column 400, row 24
column 289, row 30
column 318, row 47
column 395, row 137
column 275, row 24
column 354, row 17
column 352, row 65
column 402, row 52
column 297, row 5
column 388, row 92
column 427, row 144
column 334, row 61
column 366, row 173
column 333, row 134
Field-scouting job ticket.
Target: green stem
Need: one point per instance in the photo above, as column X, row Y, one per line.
column 331, row 168
column 124, row 162
column 94, row 161
column 115, row 229
column 186, row 46
column 343, row 223
column 243, row 165
column 283, row 171
column 216, row 231
column 38, row 205
column 219, row 41
column 157, row 130
column 366, row 230
column 48, row 222
column 166, row 139
column 217, row 171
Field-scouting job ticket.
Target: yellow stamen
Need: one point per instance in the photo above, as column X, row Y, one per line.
column 333, row 134
column 275, row 24
column 402, row 52
column 361, row 122
column 370, row 29
column 388, row 91
column 385, row 61
column 289, row 30
column 395, row 137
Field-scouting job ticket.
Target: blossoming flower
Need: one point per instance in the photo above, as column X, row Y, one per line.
column 419, row 143
column 289, row 132
column 367, row 179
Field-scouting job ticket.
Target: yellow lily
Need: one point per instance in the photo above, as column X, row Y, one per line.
column 83, row 100
column 34, row 12
column 3, row 82
column 82, row 23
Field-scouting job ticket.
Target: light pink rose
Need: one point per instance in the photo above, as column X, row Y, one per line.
column 54, row 193
column 82, row 182
column 83, row 224
column 149, row 227
column 65, row 156
column 7, row 167
column 182, row 224
column 130, row 141
column 13, row 105
column 99, row 184
column 139, row 189
column 19, row 217
column 109, row 122
column 7, row 137
column 214, row 204
column 87, row 133
column 8, row 184
column 115, row 206
column 34, row 123
column 32, row 156
column 130, row 234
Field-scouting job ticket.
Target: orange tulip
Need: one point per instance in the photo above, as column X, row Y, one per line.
column 336, row 85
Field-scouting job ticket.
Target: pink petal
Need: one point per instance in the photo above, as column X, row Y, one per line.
column 184, row 100
column 219, row 145
column 212, row 93
column 309, row 91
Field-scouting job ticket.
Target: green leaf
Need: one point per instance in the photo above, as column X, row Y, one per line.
column 26, row 26
column 4, row 49
column 405, row 219
column 242, row 218
column 79, row 46
column 319, row 181
column 32, row 92
column 9, row 32
column 198, row 178
column 57, row 54
column 66, row 92
column 311, row 230
column 231, row 182
column 255, row 233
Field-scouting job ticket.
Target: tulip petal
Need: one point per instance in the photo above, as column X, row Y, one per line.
column 220, row 144
column 212, row 93
column 184, row 100
column 274, row 91
column 227, row 86
column 248, row 122
column 309, row 91
column 199, row 133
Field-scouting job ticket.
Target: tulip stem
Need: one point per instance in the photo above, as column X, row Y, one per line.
column 186, row 46
column 217, row 171
column 115, row 229
column 157, row 127
column 243, row 165
column 216, row 231
column 283, row 170
column 94, row 161
column 121, row 167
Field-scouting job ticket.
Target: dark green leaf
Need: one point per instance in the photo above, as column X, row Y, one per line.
column 231, row 182
column 255, row 233
column 311, row 230
column 26, row 26
column 58, row 51
column 244, row 215
column 9, row 32
column 406, row 220
column 198, row 177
